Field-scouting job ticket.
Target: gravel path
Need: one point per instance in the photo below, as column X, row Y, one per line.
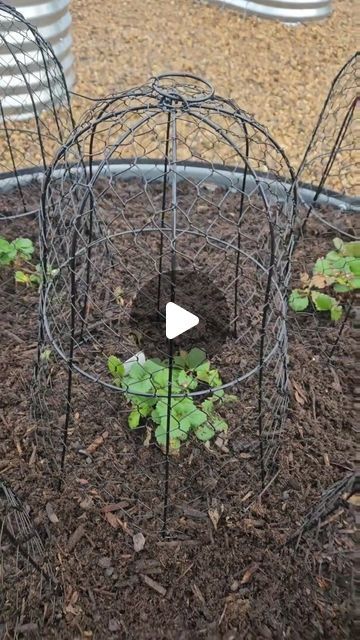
column 280, row 74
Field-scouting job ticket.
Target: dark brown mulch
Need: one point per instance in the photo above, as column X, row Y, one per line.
column 232, row 578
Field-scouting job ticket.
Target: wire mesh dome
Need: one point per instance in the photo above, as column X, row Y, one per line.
column 35, row 114
column 329, row 172
column 168, row 194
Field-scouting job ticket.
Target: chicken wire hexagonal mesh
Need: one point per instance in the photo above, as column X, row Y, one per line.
column 25, row 569
column 168, row 193
column 329, row 211
column 35, row 113
column 331, row 161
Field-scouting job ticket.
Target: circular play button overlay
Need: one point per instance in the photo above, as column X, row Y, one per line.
column 186, row 308
column 178, row 320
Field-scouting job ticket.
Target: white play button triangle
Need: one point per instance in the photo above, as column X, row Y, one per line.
column 178, row 320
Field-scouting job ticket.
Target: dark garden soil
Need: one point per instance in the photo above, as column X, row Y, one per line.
column 231, row 569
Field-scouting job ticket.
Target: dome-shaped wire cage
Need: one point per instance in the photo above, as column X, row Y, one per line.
column 329, row 171
column 35, row 113
column 167, row 194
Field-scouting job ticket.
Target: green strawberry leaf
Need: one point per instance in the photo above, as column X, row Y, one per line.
column 219, row 424
column 197, row 417
column 144, row 405
column 138, row 372
column 352, row 249
column 338, row 244
column 177, row 430
column 186, row 381
column 134, row 419
column 214, row 379
column 180, row 361
column 207, row 406
column 138, row 386
column 161, row 378
column 322, row 301
column 219, row 394
column 160, row 410
column 161, row 438
column 115, row 367
column 355, row 266
column 336, row 312
column 341, row 288
column 332, row 256
column 298, row 300
column 205, row 432
column 323, row 266
column 35, row 278
column 7, row 252
column 24, row 247
column 22, row 278
column 152, row 366
column 195, row 358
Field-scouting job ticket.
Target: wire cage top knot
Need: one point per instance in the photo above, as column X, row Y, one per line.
column 35, row 114
column 330, row 167
column 168, row 193
column 181, row 87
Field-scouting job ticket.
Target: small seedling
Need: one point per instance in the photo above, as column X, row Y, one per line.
column 18, row 253
column 338, row 272
column 17, row 250
column 190, row 370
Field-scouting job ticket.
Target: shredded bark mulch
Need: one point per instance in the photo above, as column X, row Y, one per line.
column 230, row 571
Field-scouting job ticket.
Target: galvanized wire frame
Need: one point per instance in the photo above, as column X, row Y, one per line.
column 24, row 568
column 329, row 204
column 175, row 149
column 331, row 161
column 35, row 112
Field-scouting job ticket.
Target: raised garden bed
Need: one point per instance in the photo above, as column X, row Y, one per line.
column 228, row 572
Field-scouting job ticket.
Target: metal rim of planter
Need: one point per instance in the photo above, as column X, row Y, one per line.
column 287, row 11
column 221, row 175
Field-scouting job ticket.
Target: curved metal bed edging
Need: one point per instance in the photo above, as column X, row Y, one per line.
column 218, row 174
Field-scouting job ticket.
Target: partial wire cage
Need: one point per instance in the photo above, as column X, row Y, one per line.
column 330, row 167
column 35, row 113
column 329, row 211
column 167, row 194
column 24, row 569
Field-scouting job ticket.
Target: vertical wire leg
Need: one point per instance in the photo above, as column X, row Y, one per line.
column 167, row 449
column 71, row 353
column 163, row 205
column 241, row 208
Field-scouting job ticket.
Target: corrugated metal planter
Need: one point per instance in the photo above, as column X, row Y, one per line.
column 284, row 10
column 35, row 111
column 26, row 82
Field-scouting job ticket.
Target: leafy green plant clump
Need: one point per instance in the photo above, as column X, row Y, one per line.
column 337, row 273
column 18, row 253
column 190, row 370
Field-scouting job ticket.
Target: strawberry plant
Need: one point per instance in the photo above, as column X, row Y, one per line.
column 17, row 254
column 190, row 370
column 333, row 277
column 16, row 250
